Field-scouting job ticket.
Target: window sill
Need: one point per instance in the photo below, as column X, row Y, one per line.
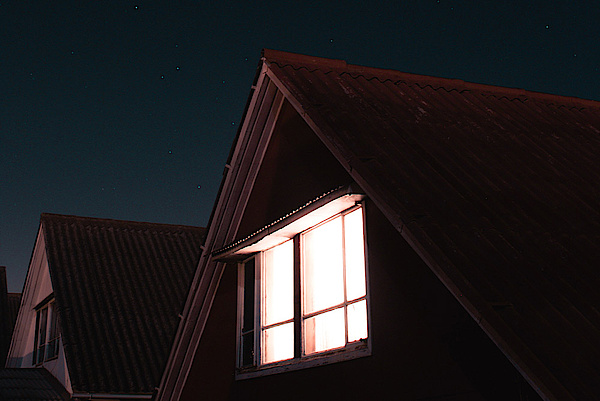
column 353, row 351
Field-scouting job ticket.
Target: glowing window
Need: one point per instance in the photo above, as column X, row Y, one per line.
column 311, row 295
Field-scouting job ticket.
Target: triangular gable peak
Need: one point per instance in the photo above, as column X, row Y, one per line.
column 38, row 292
column 486, row 184
column 268, row 109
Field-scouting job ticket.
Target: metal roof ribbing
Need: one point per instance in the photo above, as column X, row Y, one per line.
column 494, row 186
column 119, row 288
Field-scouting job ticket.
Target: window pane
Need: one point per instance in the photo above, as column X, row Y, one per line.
column 278, row 284
column 248, row 310
column 278, row 343
column 42, row 335
column 52, row 348
column 36, row 340
column 248, row 349
column 43, row 320
column 357, row 321
column 325, row 331
column 355, row 255
column 323, row 272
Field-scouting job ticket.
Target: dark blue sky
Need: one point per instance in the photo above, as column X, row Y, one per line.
column 127, row 110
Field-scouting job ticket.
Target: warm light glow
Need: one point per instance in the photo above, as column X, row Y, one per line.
column 278, row 343
column 277, row 276
column 324, row 332
column 323, row 269
column 333, row 290
column 357, row 321
column 356, row 286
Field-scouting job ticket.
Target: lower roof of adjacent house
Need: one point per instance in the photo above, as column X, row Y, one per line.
column 119, row 287
column 35, row 384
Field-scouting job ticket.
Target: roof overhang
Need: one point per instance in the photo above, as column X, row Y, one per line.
column 285, row 228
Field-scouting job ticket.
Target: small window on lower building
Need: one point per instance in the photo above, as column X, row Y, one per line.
column 46, row 333
column 305, row 300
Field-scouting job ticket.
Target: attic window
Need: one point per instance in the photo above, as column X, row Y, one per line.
column 46, row 332
column 304, row 301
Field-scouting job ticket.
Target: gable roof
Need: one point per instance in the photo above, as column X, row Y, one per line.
column 34, row 384
column 493, row 188
column 119, row 288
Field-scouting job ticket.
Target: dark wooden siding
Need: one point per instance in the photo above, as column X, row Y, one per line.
column 297, row 168
column 425, row 346
column 494, row 186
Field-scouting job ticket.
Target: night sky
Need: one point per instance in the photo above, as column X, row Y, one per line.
column 127, row 110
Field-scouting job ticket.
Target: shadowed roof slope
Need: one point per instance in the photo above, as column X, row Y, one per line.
column 34, row 384
column 495, row 188
column 119, row 288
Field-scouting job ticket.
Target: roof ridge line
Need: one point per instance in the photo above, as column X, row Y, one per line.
column 46, row 215
column 298, row 61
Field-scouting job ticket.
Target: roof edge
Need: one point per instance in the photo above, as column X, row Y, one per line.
column 269, row 54
column 46, row 216
column 300, row 60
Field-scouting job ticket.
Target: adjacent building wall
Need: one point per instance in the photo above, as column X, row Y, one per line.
column 38, row 288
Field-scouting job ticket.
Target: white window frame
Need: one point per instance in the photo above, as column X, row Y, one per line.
column 351, row 350
column 42, row 345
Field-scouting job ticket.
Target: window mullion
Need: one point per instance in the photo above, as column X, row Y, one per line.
column 297, row 299
column 344, row 278
column 258, row 291
column 270, row 326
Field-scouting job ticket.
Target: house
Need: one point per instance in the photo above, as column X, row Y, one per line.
column 101, row 305
column 9, row 306
column 380, row 233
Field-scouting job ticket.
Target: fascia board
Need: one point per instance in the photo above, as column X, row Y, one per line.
column 208, row 274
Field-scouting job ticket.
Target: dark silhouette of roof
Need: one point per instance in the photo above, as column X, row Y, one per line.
column 119, row 288
column 495, row 188
column 9, row 307
column 33, row 384
column 14, row 301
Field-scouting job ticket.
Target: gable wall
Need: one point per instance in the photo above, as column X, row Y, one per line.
column 38, row 287
column 424, row 344
column 296, row 168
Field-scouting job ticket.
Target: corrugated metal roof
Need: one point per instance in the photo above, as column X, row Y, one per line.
column 119, row 288
column 35, row 384
column 495, row 188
